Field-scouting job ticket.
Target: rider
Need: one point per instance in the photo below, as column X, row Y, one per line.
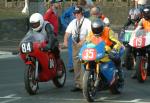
column 99, row 30
column 40, row 26
column 51, row 16
column 134, row 17
column 145, row 21
column 145, row 24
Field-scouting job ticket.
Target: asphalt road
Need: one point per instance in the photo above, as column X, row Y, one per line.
column 12, row 87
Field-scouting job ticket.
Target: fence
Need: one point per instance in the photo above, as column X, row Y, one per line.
column 20, row 3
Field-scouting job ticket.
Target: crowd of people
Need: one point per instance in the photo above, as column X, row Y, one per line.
column 83, row 21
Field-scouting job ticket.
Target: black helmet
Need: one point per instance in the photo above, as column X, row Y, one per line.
column 146, row 13
column 97, row 27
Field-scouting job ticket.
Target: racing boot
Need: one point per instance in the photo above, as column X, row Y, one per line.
column 121, row 77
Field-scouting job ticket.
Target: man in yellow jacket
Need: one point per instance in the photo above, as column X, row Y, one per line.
column 99, row 31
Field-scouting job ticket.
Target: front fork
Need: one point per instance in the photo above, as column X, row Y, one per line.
column 34, row 62
column 36, row 69
column 97, row 71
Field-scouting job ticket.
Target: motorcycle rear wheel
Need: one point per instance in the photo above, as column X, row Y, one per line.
column 89, row 90
column 140, row 69
column 59, row 81
column 129, row 60
column 31, row 85
column 115, row 88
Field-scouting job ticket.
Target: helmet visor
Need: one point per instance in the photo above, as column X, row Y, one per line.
column 97, row 31
column 35, row 25
column 146, row 13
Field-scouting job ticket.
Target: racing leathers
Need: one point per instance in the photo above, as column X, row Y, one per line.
column 111, row 44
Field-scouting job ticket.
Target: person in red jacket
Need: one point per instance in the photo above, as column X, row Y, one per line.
column 52, row 17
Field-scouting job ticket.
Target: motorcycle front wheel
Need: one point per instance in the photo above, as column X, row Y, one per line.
column 31, row 85
column 60, row 80
column 129, row 59
column 89, row 90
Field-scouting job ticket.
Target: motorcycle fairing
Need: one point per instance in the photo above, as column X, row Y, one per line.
column 140, row 39
column 98, row 49
column 39, row 40
column 108, row 70
column 127, row 35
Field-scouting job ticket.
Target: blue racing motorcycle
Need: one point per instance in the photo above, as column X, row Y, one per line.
column 100, row 72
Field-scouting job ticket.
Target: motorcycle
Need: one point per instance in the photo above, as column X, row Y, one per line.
column 140, row 43
column 129, row 58
column 41, row 66
column 100, row 72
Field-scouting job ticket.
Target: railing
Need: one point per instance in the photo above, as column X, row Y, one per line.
column 20, row 3
column 14, row 3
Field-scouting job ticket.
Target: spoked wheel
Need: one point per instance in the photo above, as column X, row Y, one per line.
column 141, row 68
column 60, row 79
column 31, row 85
column 89, row 90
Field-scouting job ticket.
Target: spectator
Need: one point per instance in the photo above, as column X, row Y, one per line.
column 96, row 13
column 86, row 7
column 66, row 17
column 51, row 15
column 78, row 28
column 89, row 3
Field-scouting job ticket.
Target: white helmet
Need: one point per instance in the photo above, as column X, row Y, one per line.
column 36, row 21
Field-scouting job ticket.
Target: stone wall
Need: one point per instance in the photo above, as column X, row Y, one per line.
column 11, row 32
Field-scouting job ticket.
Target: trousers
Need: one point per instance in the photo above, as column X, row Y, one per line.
column 78, row 73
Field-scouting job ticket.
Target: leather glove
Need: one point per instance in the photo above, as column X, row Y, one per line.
column 114, row 54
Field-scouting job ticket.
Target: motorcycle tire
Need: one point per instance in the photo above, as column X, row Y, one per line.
column 140, row 69
column 31, row 85
column 59, row 81
column 129, row 60
column 89, row 90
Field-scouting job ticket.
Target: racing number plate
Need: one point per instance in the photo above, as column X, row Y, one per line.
column 26, row 47
column 139, row 42
column 89, row 54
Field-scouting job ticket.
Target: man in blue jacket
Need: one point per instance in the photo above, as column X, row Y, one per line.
column 65, row 18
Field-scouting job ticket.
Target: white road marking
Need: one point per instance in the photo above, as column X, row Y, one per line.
column 5, row 53
column 102, row 99
column 136, row 100
column 10, row 98
column 7, row 56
